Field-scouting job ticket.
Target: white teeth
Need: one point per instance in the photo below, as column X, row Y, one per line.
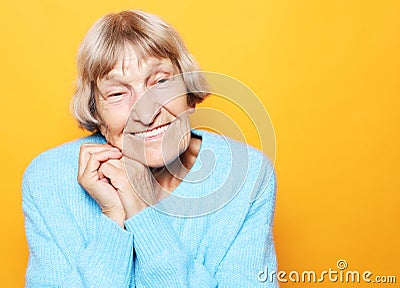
column 153, row 132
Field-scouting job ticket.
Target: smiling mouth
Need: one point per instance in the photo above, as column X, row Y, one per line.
column 153, row 133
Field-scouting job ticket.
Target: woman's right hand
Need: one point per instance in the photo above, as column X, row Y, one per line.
column 91, row 157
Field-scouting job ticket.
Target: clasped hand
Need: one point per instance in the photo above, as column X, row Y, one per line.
column 102, row 174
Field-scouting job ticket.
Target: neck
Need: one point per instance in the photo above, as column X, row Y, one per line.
column 170, row 176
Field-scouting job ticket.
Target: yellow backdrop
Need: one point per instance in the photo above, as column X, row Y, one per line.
column 327, row 71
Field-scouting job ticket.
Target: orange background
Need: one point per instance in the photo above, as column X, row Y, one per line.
column 327, row 71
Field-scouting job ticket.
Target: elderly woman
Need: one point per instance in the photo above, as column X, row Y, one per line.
column 98, row 210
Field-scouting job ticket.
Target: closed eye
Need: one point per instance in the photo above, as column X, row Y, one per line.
column 162, row 81
column 160, row 78
column 116, row 94
column 116, row 97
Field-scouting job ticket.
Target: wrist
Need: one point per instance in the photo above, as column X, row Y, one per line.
column 139, row 207
column 117, row 217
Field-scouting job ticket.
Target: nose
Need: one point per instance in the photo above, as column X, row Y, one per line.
column 145, row 110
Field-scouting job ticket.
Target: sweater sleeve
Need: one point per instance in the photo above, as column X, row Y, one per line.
column 162, row 260
column 250, row 261
column 58, row 255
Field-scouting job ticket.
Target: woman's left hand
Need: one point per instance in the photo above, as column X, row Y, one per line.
column 132, row 181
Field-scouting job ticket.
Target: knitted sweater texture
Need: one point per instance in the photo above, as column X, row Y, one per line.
column 214, row 230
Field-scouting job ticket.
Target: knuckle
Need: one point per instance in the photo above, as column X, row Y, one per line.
column 81, row 182
column 83, row 147
column 81, row 179
column 93, row 156
column 104, row 165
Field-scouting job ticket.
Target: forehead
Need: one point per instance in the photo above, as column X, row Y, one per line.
column 130, row 62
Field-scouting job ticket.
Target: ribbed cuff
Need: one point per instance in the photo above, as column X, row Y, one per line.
column 111, row 251
column 152, row 234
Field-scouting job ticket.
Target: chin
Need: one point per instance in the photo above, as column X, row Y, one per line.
column 115, row 141
column 159, row 160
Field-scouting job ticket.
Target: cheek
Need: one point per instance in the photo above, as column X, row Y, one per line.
column 177, row 139
column 114, row 117
column 115, row 122
column 178, row 106
column 184, row 131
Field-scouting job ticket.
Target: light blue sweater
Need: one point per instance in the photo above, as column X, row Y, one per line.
column 214, row 230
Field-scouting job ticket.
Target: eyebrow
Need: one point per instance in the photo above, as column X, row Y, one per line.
column 117, row 77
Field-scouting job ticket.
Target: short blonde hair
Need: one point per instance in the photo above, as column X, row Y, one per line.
column 104, row 44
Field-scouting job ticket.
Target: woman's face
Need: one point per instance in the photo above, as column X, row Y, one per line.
column 142, row 97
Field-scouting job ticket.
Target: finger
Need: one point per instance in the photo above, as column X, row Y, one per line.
column 113, row 169
column 140, row 179
column 133, row 198
column 110, row 169
column 95, row 160
column 88, row 149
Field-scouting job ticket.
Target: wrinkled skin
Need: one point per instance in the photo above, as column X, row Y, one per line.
column 125, row 181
